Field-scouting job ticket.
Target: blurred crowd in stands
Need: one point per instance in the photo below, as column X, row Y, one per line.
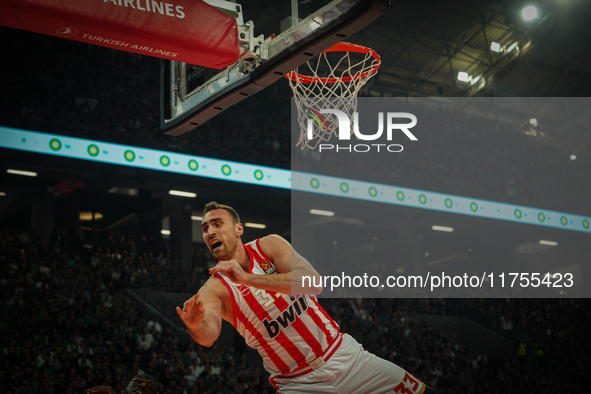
column 137, row 260
column 556, row 328
column 69, row 323
column 86, row 91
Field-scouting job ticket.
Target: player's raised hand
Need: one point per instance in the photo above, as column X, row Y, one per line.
column 192, row 313
column 232, row 269
column 100, row 390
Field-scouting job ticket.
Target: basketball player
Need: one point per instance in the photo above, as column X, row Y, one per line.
column 139, row 384
column 301, row 346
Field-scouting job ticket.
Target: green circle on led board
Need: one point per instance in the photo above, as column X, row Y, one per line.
column 165, row 161
column 55, row 144
column 400, row 196
column 586, row 224
column 517, row 213
column 563, row 220
column 93, row 150
column 541, row 217
column 315, row 183
column 193, row 165
column 423, row 199
column 226, row 169
column 448, row 203
column 129, row 155
column 373, row 191
column 258, row 174
column 344, row 187
column 474, row 207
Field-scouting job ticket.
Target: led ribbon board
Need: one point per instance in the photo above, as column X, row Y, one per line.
column 341, row 187
column 78, row 148
column 104, row 152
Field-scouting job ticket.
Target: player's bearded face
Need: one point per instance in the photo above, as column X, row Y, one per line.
column 220, row 233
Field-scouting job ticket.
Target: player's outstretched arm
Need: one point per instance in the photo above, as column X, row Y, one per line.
column 290, row 265
column 202, row 314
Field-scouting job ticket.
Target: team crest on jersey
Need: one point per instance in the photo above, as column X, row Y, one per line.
column 244, row 290
column 268, row 267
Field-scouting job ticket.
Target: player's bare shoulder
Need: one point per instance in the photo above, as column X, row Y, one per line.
column 213, row 287
column 278, row 250
column 273, row 244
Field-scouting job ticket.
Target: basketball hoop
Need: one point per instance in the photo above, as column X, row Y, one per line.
column 346, row 76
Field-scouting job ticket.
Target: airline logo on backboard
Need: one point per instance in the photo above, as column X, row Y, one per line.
column 157, row 7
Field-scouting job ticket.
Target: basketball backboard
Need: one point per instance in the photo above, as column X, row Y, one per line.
column 273, row 39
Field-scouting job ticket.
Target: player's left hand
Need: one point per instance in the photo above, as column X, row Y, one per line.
column 233, row 270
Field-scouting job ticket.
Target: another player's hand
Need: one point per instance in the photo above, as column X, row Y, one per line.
column 192, row 313
column 232, row 269
column 100, row 390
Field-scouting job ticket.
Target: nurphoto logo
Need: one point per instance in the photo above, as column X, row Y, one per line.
column 344, row 130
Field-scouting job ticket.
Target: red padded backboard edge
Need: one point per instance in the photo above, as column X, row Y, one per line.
column 189, row 31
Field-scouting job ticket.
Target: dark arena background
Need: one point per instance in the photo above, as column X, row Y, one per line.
column 94, row 256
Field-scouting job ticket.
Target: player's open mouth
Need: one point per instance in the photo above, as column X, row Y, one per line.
column 215, row 244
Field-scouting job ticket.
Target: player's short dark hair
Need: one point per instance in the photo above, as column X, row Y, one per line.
column 210, row 206
column 141, row 375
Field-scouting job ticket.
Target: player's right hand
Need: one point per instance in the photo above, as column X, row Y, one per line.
column 192, row 313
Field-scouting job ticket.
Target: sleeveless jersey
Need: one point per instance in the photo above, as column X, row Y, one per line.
column 291, row 333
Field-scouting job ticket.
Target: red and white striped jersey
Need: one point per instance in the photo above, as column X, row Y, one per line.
column 288, row 332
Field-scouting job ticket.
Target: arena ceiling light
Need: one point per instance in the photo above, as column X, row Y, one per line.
column 442, row 228
column 124, row 190
column 495, row 47
column 2, row 194
column 513, row 46
column 550, row 243
column 255, row 225
column 182, row 194
column 88, row 216
column 463, row 76
column 321, row 212
column 20, row 172
column 529, row 13
column 533, row 122
column 165, row 232
column 196, row 218
column 572, row 157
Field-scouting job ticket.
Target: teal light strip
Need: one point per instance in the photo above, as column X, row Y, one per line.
column 341, row 187
column 104, row 152
column 132, row 156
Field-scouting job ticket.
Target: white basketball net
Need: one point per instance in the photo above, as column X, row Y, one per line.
column 337, row 91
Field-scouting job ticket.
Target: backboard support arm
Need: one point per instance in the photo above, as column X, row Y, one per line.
column 261, row 64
